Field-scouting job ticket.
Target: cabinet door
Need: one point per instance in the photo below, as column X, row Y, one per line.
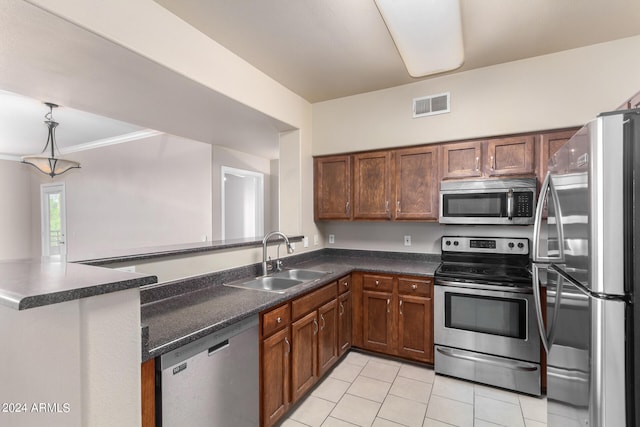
column 415, row 328
column 377, row 321
column 461, row 160
column 344, row 322
column 327, row 336
column 550, row 143
column 148, row 388
column 332, row 187
column 416, row 184
column 372, row 185
column 304, row 354
column 510, row 156
column 275, row 377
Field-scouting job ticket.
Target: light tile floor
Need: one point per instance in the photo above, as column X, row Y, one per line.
column 367, row 390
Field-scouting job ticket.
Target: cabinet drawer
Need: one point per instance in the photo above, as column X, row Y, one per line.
column 421, row 287
column 275, row 319
column 344, row 284
column 377, row 283
column 315, row 299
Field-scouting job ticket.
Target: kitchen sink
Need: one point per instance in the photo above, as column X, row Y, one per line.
column 281, row 281
column 299, row 274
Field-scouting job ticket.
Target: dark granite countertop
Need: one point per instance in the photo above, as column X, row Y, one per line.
column 178, row 313
column 30, row 283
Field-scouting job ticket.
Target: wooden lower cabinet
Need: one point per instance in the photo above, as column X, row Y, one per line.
column 275, row 376
column 148, row 388
column 327, row 336
column 377, row 321
column 304, row 354
column 345, row 313
column 398, row 319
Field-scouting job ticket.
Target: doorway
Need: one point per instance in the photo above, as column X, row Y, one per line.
column 54, row 221
column 242, row 203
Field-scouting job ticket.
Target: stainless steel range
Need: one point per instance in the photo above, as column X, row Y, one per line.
column 484, row 313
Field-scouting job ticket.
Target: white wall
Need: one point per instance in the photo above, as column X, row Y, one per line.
column 15, row 215
column 83, row 353
column 150, row 192
column 552, row 91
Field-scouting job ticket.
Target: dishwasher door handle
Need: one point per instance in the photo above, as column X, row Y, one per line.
column 218, row 347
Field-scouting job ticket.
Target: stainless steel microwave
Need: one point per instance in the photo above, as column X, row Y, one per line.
column 491, row 201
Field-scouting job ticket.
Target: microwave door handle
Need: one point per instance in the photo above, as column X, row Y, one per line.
column 510, row 204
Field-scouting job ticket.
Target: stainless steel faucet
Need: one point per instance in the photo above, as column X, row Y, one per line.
column 264, row 249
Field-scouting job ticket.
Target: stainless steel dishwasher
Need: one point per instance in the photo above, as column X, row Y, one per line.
column 213, row 381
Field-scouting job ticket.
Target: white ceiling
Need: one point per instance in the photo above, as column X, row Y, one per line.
column 325, row 49
column 320, row 49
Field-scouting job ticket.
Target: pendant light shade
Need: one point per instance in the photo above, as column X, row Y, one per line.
column 51, row 166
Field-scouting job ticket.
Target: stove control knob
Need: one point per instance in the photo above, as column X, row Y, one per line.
column 448, row 243
column 455, row 243
column 511, row 245
column 521, row 245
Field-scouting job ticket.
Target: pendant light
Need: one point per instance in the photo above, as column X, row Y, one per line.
column 51, row 166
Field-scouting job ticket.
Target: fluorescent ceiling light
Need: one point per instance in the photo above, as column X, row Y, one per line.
column 427, row 33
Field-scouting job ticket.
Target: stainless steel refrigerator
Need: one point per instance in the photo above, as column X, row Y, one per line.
column 586, row 256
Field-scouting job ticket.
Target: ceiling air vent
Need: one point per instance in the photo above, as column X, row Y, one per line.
column 430, row 105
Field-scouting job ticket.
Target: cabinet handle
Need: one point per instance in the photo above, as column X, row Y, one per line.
column 286, row 340
column 414, row 286
column 401, row 307
column 477, row 163
column 388, row 305
column 346, row 284
column 315, row 323
column 398, row 206
column 386, row 206
column 377, row 283
column 324, row 323
column 278, row 320
column 347, row 208
column 493, row 163
column 341, row 309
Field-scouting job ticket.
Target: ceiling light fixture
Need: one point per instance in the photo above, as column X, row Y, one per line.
column 427, row 33
column 51, row 166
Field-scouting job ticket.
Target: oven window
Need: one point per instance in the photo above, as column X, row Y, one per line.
column 474, row 205
column 489, row 315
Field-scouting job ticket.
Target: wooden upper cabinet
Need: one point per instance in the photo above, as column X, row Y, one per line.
column 416, row 184
column 550, row 143
column 510, row 156
column 332, row 192
column 372, row 185
column 462, row 160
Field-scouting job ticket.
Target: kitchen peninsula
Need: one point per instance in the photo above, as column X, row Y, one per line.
column 66, row 328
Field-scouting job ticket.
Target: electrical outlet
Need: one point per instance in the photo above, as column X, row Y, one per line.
column 305, row 242
column 316, row 240
column 407, row 240
column 332, row 238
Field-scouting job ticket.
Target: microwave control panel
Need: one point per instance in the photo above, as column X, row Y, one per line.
column 523, row 204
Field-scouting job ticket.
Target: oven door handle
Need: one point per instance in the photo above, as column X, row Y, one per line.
column 513, row 365
column 484, row 287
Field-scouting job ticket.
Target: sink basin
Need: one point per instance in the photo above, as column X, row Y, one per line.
column 269, row 283
column 281, row 281
column 299, row 274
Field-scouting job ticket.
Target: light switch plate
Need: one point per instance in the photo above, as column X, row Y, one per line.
column 332, row 238
column 407, row 240
column 305, row 242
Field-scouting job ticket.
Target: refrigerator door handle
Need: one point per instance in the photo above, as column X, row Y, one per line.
column 547, row 339
column 547, row 187
column 536, row 297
